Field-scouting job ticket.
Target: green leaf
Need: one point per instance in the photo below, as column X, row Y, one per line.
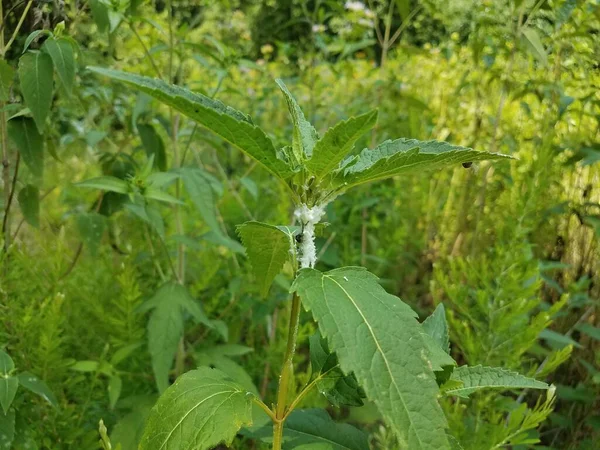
column 8, row 389
column 304, row 136
column 267, row 248
column 403, row 156
column 339, row 389
column 437, row 356
column 376, row 336
column 107, row 183
column 33, row 36
column 161, row 196
column 403, row 8
column 338, row 142
column 34, row 384
column 63, row 57
column 7, row 430
column 233, row 126
column 29, row 142
column 91, row 227
column 534, row 43
column 149, row 215
column 478, row 377
column 29, row 201
column 100, row 14
column 213, row 357
column 115, row 384
column 6, row 363
column 153, row 144
column 85, row 366
column 590, row 330
column 436, row 326
column 35, row 75
column 559, row 339
column 200, row 411
column 199, row 188
column 7, row 74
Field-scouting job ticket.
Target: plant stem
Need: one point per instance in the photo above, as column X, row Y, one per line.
column 16, row 31
column 4, row 143
column 287, row 373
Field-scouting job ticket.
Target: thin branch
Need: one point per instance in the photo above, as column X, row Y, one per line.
column 21, row 20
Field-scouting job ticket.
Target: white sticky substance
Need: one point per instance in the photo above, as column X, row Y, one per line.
column 309, row 217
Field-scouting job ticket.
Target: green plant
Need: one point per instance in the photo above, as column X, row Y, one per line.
column 379, row 346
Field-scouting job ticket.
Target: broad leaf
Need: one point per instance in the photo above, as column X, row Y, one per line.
column 91, row 227
column 402, row 156
column 268, row 248
column 304, row 136
column 8, row 389
column 436, row 326
column 200, row 411
column 215, row 358
column 34, row 384
column 534, row 43
column 7, row 430
column 153, row 144
column 377, row 336
column 233, row 126
column 478, row 377
column 339, row 389
column 149, row 215
column 338, row 142
column 29, row 201
column 63, row 57
column 29, row 142
column 35, row 75
column 107, row 183
column 200, row 189
column 7, row 74
column 6, row 363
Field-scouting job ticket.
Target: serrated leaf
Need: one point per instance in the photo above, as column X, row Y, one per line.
column 29, row 201
column 436, row 326
column 304, row 136
column 32, row 383
column 63, row 57
column 7, row 74
column 8, row 389
column 534, row 43
column 267, row 248
column 337, row 142
column 107, row 183
column 403, row 156
column 201, row 410
column 35, row 76
column 153, row 144
column 231, row 125
column 338, row 388
column 29, row 142
column 199, row 188
column 479, row 377
column 91, row 227
column 438, row 358
column 7, row 430
column 377, row 336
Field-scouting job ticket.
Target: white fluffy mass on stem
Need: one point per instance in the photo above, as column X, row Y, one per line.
column 309, row 217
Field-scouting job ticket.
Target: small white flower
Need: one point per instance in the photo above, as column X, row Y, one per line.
column 318, row 28
column 309, row 217
column 355, row 6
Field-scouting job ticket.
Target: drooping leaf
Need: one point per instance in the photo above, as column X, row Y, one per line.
column 29, row 201
column 233, row 126
column 304, row 136
column 201, row 410
column 8, row 389
column 7, row 74
column 479, row 377
column 107, row 183
column 91, row 227
column 7, row 430
column 63, row 57
column 36, row 78
column 34, row 384
column 376, row 336
column 267, row 248
column 199, row 188
column 402, row 156
column 339, row 389
column 153, row 144
column 29, row 142
column 534, row 43
column 337, row 142
column 436, row 326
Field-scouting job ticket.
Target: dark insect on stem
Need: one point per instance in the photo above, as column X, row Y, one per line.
column 466, row 165
column 298, row 238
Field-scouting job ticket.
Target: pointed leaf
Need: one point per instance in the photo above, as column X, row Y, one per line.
column 153, row 144
column 376, row 336
column 111, row 184
column 91, row 227
column 436, row 326
column 233, row 126
column 156, row 194
column 534, row 43
column 29, row 201
column 33, row 36
column 200, row 190
column 267, row 248
column 34, row 384
column 213, row 358
column 29, row 142
column 35, row 75
column 304, row 136
column 338, row 142
column 63, row 57
column 7, row 430
column 402, row 156
column 8, row 389
column 7, row 74
column 115, row 384
column 201, row 410
column 478, row 377
column 6, row 363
